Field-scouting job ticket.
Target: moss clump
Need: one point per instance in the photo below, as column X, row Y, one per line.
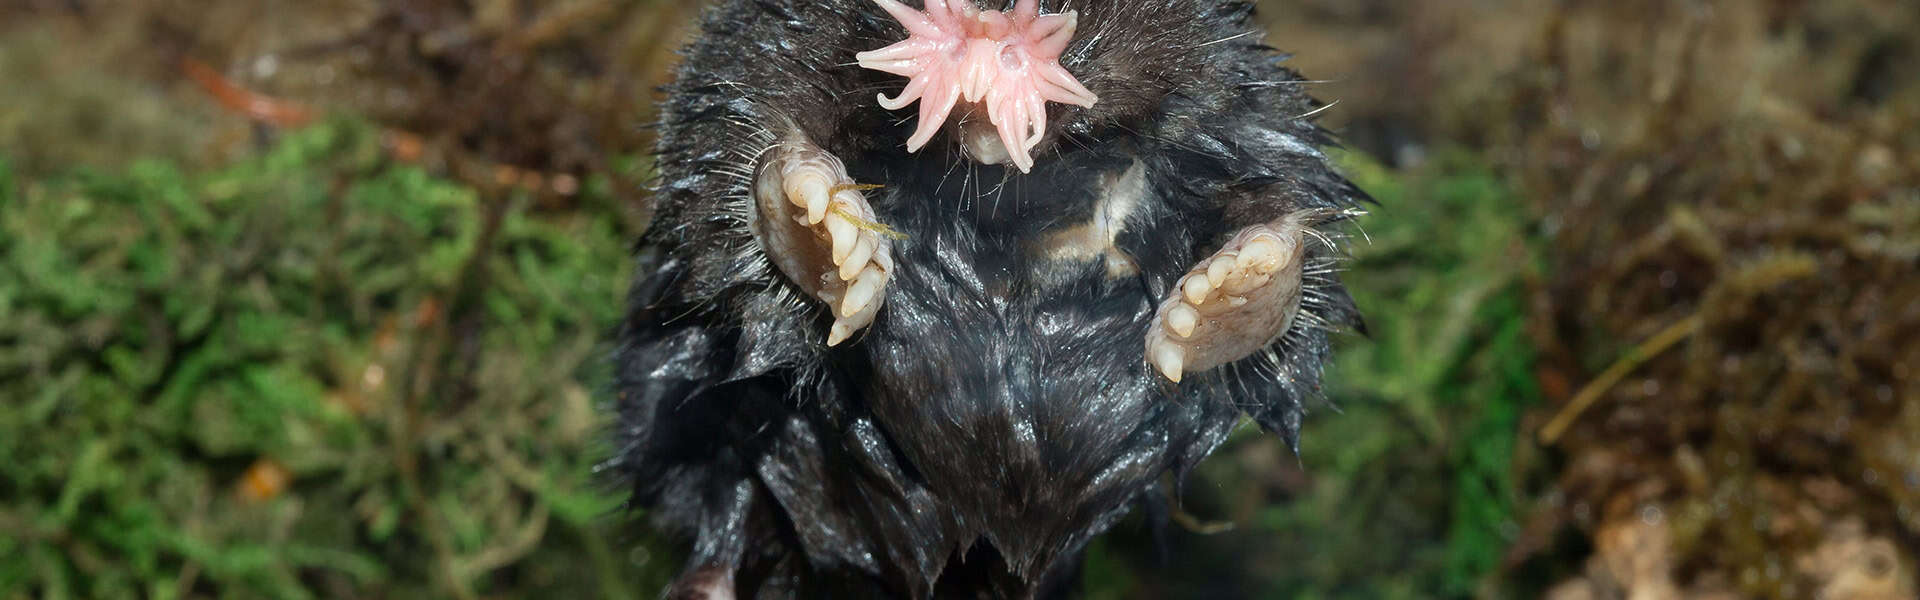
column 312, row 374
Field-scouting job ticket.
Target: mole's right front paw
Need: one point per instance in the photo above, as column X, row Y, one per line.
column 817, row 227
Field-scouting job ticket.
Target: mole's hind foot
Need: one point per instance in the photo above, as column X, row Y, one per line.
column 1232, row 304
column 816, row 226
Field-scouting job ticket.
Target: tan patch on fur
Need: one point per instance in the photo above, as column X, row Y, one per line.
column 1094, row 240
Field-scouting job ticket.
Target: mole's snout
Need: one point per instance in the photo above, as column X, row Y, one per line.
column 1005, row 64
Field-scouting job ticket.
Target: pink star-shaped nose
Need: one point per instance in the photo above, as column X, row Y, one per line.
column 1007, row 61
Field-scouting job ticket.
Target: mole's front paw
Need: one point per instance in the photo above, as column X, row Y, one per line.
column 816, row 226
column 1232, row 304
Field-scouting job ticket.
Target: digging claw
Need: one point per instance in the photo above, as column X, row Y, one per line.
column 817, row 228
column 1232, row 304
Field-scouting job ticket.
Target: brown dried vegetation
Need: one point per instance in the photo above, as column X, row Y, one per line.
column 1743, row 177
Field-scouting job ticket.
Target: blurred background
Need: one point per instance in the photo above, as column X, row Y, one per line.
column 312, row 298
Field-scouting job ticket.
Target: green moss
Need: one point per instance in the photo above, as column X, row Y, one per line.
column 163, row 332
column 1413, row 476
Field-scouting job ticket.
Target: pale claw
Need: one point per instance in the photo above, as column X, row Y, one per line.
column 817, row 228
column 1183, row 319
column 809, row 190
column 1232, row 304
column 1168, row 358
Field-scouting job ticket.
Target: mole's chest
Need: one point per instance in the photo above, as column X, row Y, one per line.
column 1049, row 234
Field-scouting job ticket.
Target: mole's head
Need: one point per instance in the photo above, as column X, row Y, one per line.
column 939, row 351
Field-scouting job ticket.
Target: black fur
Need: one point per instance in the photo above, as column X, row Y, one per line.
column 998, row 413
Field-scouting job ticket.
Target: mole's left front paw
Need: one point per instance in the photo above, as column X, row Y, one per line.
column 816, row 226
column 1232, row 304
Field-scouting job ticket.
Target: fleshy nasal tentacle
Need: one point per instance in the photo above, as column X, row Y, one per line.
column 899, row 57
column 907, row 96
column 1017, row 153
column 1026, row 10
column 933, row 112
column 995, row 25
column 916, row 22
column 1065, row 88
column 1007, row 60
column 1053, row 33
column 1037, row 123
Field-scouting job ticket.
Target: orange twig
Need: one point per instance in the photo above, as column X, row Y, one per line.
column 259, row 107
column 404, row 146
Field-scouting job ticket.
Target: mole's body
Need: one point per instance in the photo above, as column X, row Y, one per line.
column 945, row 386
